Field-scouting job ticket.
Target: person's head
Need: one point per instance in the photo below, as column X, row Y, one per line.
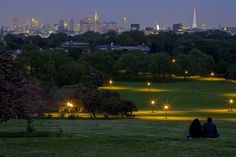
column 209, row 120
column 196, row 122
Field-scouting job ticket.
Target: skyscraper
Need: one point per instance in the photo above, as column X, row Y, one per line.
column 194, row 26
column 97, row 26
column 125, row 24
column 71, row 26
column 204, row 25
column 157, row 27
column 16, row 24
column 85, row 25
column 61, row 26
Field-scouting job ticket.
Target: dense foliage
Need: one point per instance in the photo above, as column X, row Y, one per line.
column 199, row 53
column 19, row 95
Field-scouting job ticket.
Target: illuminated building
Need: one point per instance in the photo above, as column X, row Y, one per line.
column 111, row 26
column 125, row 24
column 71, row 26
column 16, row 24
column 34, row 22
column 66, row 25
column 61, row 26
column 77, row 27
column 96, row 24
column 135, row 27
column 157, row 27
column 194, row 26
column 85, row 25
column 178, row 28
column 204, row 26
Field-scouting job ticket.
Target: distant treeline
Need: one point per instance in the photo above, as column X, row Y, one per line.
column 197, row 53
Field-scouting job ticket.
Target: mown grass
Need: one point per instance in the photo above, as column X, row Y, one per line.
column 149, row 134
column 185, row 95
column 128, row 138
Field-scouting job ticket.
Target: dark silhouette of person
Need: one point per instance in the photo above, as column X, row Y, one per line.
column 195, row 129
column 210, row 130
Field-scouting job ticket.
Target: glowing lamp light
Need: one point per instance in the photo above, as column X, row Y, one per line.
column 153, row 102
column 173, row 60
column 110, row 82
column 186, row 72
column 148, row 84
column 231, row 101
column 212, row 74
column 166, row 107
column 69, row 104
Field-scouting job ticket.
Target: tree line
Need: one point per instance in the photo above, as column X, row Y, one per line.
column 219, row 45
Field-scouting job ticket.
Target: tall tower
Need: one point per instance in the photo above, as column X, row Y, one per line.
column 97, row 27
column 125, row 24
column 194, row 26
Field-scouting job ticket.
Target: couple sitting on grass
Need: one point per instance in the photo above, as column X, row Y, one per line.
column 208, row 130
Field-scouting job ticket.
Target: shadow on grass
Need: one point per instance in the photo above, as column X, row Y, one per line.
column 30, row 134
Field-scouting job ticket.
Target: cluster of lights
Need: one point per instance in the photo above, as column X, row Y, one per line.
column 69, row 104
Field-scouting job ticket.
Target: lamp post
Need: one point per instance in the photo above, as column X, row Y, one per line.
column 153, row 104
column 212, row 74
column 110, row 83
column 173, row 60
column 185, row 74
column 149, row 85
column 166, row 107
column 231, row 102
column 70, row 108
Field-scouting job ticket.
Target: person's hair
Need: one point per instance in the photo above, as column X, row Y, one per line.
column 196, row 122
column 209, row 119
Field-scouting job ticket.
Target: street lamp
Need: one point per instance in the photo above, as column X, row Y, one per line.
column 149, row 84
column 173, row 60
column 110, row 83
column 185, row 74
column 212, row 74
column 153, row 104
column 166, row 107
column 231, row 102
column 69, row 104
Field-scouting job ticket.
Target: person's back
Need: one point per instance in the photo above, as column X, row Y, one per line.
column 210, row 130
column 195, row 130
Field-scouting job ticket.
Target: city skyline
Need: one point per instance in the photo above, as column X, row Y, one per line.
column 147, row 14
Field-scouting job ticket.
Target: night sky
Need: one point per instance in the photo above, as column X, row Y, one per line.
column 145, row 12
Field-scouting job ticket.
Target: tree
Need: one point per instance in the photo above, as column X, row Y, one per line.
column 159, row 64
column 131, row 63
column 102, row 61
column 231, row 73
column 19, row 95
column 70, row 73
column 92, row 102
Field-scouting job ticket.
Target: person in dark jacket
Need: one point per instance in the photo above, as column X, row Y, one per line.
column 210, row 130
column 195, row 129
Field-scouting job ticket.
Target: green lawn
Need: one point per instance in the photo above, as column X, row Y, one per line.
column 185, row 95
column 149, row 134
column 116, row 138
